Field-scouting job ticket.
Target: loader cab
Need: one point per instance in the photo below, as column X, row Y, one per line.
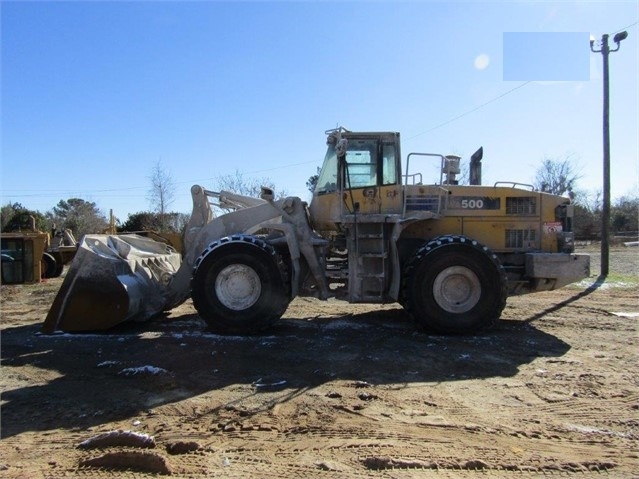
column 361, row 175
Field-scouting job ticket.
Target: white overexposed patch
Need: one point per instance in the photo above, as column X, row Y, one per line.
column 587, row 283
column 482, row 61
column 627, row 315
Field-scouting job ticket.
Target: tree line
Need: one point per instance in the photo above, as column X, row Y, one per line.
column 560, row 177
column 84, row 217
column 556, row 176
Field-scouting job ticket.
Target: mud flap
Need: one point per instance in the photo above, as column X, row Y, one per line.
column 113, row 279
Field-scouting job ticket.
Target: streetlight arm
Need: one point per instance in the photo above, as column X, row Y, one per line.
column 620, row 36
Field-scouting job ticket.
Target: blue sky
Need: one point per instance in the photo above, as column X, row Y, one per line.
column 94, row 94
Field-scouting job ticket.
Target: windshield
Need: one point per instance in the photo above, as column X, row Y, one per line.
column 327, row 181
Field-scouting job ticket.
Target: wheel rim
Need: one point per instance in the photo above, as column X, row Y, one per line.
column 238, row 287
column 457, row 289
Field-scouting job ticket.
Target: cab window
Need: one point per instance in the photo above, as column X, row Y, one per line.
column 389, row 165
column 361, row 162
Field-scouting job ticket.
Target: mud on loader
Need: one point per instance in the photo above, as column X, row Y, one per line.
column 373, row 233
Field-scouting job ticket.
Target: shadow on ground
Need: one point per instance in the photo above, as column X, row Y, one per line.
column 91, row 379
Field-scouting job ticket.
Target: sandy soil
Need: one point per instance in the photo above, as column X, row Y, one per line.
column 335, row 390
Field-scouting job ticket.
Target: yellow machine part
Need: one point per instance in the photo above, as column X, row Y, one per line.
column 22, row 257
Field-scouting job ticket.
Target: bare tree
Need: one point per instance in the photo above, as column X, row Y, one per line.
column 162, row 192
column 311, row 183
column 590, row 200
column 557, row 176
column 625, row 214
column 237, row 183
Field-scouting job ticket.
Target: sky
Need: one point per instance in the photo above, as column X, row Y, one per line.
column 96, row 94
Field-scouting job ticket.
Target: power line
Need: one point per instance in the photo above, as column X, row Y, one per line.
column 58, row 192
column 6, row 192
column 624, row 28
column 284, row 166
column 494, row 99
column 470, row 111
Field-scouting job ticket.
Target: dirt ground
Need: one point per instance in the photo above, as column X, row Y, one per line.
column 335, row 390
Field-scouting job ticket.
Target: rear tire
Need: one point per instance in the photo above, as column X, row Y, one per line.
column 49, row 266
column 58, row 270
column 454, row 285
column 240, row 285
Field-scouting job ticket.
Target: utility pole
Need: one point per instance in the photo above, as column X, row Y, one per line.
column 605, row 219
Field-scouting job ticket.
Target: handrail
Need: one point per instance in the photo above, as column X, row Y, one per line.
column 406, row 176
column 444, row 194
column 413, row 176
column 437, row 155
column 514, row 184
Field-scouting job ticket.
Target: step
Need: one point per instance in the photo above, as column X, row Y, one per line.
column 371, row 298
column 337, row 274
column 371, row 275
column 374, row 255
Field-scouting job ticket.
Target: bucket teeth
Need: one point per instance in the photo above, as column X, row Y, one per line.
column 113, row 279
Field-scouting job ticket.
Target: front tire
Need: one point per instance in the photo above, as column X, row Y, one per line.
column 240, row 285
column 454, row 285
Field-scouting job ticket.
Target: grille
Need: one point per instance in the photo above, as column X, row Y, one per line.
column 423, row 203
column 521, row 205
column 521, row 238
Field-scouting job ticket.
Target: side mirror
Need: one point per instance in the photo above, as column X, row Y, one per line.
column 341, row 147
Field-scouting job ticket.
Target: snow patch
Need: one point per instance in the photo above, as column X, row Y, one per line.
column 152, row 370
column 593, row 430
column 107, row 364
column 118, row 438
column 587, row 283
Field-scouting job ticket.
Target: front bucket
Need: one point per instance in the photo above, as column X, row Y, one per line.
column 113, row 279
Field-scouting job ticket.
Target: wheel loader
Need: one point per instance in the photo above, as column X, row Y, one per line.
column 28, row 256
column 374, row 232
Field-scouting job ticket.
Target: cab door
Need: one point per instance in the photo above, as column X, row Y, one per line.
column 371, row 176
column 360, row 176
column 390, row 192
